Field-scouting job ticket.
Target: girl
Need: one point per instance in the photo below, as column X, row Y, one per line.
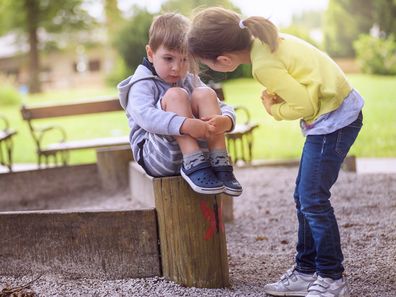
column 303, row 83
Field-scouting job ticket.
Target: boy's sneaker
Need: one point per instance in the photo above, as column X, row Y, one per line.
column 202, row 179
column 292, row 283
column 327, row 287
column 225, row 174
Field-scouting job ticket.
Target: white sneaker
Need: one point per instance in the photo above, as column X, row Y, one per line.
column 292, row 283
column 327, row 287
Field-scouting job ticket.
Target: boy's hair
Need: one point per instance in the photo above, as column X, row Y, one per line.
column 216, row 31
column 169, row 30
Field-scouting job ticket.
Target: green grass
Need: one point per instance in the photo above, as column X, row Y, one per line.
column 273, row 140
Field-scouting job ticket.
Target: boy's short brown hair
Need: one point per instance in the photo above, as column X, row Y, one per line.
column 169, row 30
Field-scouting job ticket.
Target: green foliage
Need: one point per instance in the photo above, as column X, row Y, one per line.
column 9, row 95
column 52, row 16
column 385, row 16
column 187, row 7
column 345, row 20
column 342, row 27
column 376, row 55
column 133, row 37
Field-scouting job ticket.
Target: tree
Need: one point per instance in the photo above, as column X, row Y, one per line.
column 133, row 37
column 27, row 17
column 385, row 16
column 345, row 20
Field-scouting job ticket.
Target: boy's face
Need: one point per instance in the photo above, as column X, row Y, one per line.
column 170, row 65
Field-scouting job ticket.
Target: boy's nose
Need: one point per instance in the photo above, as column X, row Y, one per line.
column 176, row 66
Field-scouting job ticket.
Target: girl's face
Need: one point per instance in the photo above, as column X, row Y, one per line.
column 170, row 65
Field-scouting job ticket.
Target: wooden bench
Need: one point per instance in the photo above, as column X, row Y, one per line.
column 240, row 141
column 6, row 135
column 60, row 150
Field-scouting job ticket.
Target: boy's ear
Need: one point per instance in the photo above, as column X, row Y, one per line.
column 149, row 53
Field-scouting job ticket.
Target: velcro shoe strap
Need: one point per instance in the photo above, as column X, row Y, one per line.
column 224, row 168
column 193, row 169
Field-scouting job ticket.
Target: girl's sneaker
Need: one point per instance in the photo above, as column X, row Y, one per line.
column 292, row 283
column 327, row 287
column 225, row 174
column 202, row 179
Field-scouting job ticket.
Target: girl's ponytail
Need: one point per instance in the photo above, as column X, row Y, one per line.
column 264, row 30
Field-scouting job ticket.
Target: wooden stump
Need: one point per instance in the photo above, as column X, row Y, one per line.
column 192, row 235
column 142, row 191
column 113, row 167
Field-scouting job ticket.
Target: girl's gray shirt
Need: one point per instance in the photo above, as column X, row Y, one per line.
column 139, row 95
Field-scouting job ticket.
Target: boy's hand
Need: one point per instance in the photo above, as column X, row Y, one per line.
column 197, row 129
column 270, row 99
column 220, row 123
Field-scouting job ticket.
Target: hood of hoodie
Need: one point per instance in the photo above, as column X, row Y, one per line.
column 141, row 73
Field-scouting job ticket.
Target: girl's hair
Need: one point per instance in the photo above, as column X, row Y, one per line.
column 216, row 31
column 169, row 30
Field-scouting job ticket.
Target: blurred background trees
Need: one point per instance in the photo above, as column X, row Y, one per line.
column 27, row 17
column 353, row 29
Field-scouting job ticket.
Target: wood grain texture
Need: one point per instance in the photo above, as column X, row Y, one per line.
column 192, row 235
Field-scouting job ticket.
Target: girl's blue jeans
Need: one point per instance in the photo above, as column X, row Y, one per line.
column 318, row 246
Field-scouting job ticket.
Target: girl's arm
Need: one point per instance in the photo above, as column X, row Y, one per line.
column 297, row 102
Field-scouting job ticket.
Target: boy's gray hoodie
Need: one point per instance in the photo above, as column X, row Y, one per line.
column 139, row 95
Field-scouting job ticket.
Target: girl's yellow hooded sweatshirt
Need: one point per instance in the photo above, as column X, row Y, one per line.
column 308, row 80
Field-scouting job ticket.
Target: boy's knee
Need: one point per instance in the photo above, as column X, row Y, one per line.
column 202, row 93
column 174, row 95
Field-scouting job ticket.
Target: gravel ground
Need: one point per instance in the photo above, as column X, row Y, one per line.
column 261, row 240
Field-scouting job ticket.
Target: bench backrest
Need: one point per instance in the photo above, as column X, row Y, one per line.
column 42, row 112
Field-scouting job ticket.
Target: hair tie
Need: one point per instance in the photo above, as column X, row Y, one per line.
column 242, row 25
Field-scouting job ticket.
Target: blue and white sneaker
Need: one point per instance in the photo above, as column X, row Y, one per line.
column 202, row 179
column 225, row 174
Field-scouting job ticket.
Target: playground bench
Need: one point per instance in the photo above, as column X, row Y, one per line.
column 6, row 135
column 242, row 134
column 64, row 146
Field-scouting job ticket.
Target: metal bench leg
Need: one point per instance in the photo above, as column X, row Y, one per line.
column 10, row 146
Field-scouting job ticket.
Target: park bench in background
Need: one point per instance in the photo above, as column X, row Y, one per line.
column 240, row 140
column 59, row 150
column 6, row 135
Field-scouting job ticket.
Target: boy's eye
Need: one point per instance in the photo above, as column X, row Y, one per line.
column 168, row 59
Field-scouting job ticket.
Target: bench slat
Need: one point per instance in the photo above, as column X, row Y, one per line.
column 87, row 144
column 70, row 109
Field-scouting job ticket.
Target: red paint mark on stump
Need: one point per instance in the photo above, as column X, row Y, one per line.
column 213, row 220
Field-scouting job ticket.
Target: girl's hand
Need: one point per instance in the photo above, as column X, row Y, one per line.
column 269, row 99
column 197, row 129
column 220, row 123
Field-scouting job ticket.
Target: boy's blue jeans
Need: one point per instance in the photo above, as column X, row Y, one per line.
column 319, row 247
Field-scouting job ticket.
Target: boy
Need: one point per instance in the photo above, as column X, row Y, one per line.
column 177, row 123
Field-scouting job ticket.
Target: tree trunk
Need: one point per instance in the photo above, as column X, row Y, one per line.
column 32, row 11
